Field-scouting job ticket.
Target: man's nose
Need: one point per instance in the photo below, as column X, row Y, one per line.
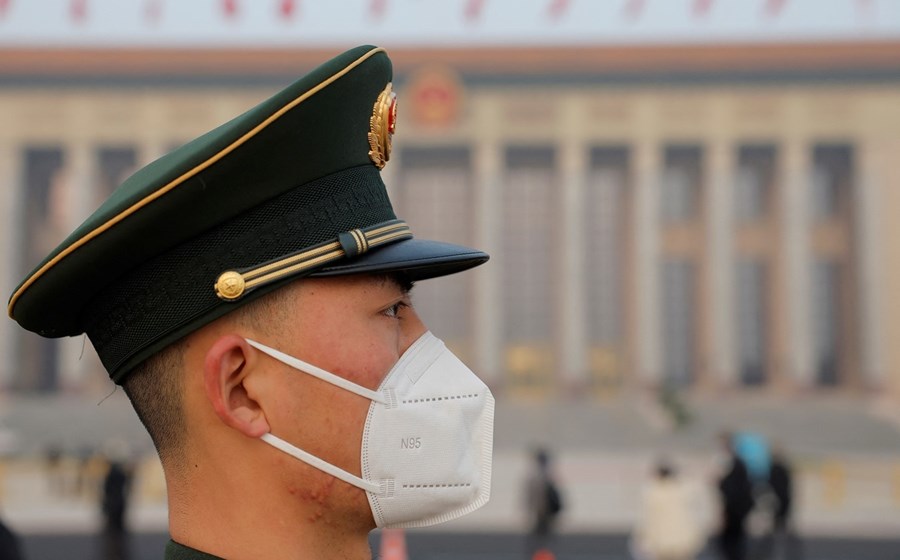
column 412, row 328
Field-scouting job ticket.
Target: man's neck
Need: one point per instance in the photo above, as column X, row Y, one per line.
column 236, row 520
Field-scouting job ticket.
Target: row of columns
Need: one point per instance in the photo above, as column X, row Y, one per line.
column 643, row 333
column 76, row 359
column 793, row 264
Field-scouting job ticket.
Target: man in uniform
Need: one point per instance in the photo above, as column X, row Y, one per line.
column 250, row 292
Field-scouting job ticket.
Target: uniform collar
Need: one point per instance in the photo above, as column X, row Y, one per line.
column 175, row 551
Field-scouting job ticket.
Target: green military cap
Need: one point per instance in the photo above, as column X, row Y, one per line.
column 288, row 189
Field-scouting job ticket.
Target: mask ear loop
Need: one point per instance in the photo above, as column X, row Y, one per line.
column 325, row 376
column 338, row 381
column 324, row 466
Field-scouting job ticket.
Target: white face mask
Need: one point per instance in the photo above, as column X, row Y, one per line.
column 427, row 441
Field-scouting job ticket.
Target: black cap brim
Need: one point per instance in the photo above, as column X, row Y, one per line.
column 418, row 259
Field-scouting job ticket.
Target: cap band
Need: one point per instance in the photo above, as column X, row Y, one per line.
column 234, row 284
column 167, row 296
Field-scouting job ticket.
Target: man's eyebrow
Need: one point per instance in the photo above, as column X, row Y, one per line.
column 400, row 280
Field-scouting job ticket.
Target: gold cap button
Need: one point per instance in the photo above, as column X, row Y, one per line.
column 230, row 285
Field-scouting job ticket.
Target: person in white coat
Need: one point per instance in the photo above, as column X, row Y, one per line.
column 667, row 528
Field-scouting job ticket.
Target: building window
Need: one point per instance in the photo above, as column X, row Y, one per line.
column 826, row 322
column 678, row 305
column 435, row 198
column 681, row 184
column 529, row 210
column 751, row 321
column 756, row 174
column 832, row 180
column 604, row 208
column 48, row 199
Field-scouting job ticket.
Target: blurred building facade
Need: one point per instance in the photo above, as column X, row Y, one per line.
column 707, row 216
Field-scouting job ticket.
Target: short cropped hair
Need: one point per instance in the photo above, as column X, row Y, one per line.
column 155, row 390
column 155, row 387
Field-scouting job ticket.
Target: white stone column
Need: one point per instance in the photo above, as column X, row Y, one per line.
column 720, row 186
column 155, row 138
column 149, row 150
column 79, row 167
column 11, row 202
column 573, row 159
column 796, row 183
column 488, row 177
column 648, row 331
column 868, row 194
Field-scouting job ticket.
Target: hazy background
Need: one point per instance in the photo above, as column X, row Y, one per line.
column 690, row 206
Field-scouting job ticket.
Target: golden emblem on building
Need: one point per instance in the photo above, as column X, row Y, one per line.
column 381, row 127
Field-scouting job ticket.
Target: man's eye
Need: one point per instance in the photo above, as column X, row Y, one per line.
column 394, row 310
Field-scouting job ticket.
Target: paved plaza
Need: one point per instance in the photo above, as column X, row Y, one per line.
column 423, row 545
column 846, row 454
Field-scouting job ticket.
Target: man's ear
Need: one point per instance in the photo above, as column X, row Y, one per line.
column 226, row 366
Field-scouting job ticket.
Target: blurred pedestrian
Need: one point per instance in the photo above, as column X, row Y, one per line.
column 753, row 449
column 736, row 494
column 667, row 528
column 781, row 483
column 781, row 543
column 54, row 471
column 116, row 486
column 9, row 544
column 544, row 504
column 81, row 486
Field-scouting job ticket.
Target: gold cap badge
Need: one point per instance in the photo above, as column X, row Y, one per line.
column 381, row 127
